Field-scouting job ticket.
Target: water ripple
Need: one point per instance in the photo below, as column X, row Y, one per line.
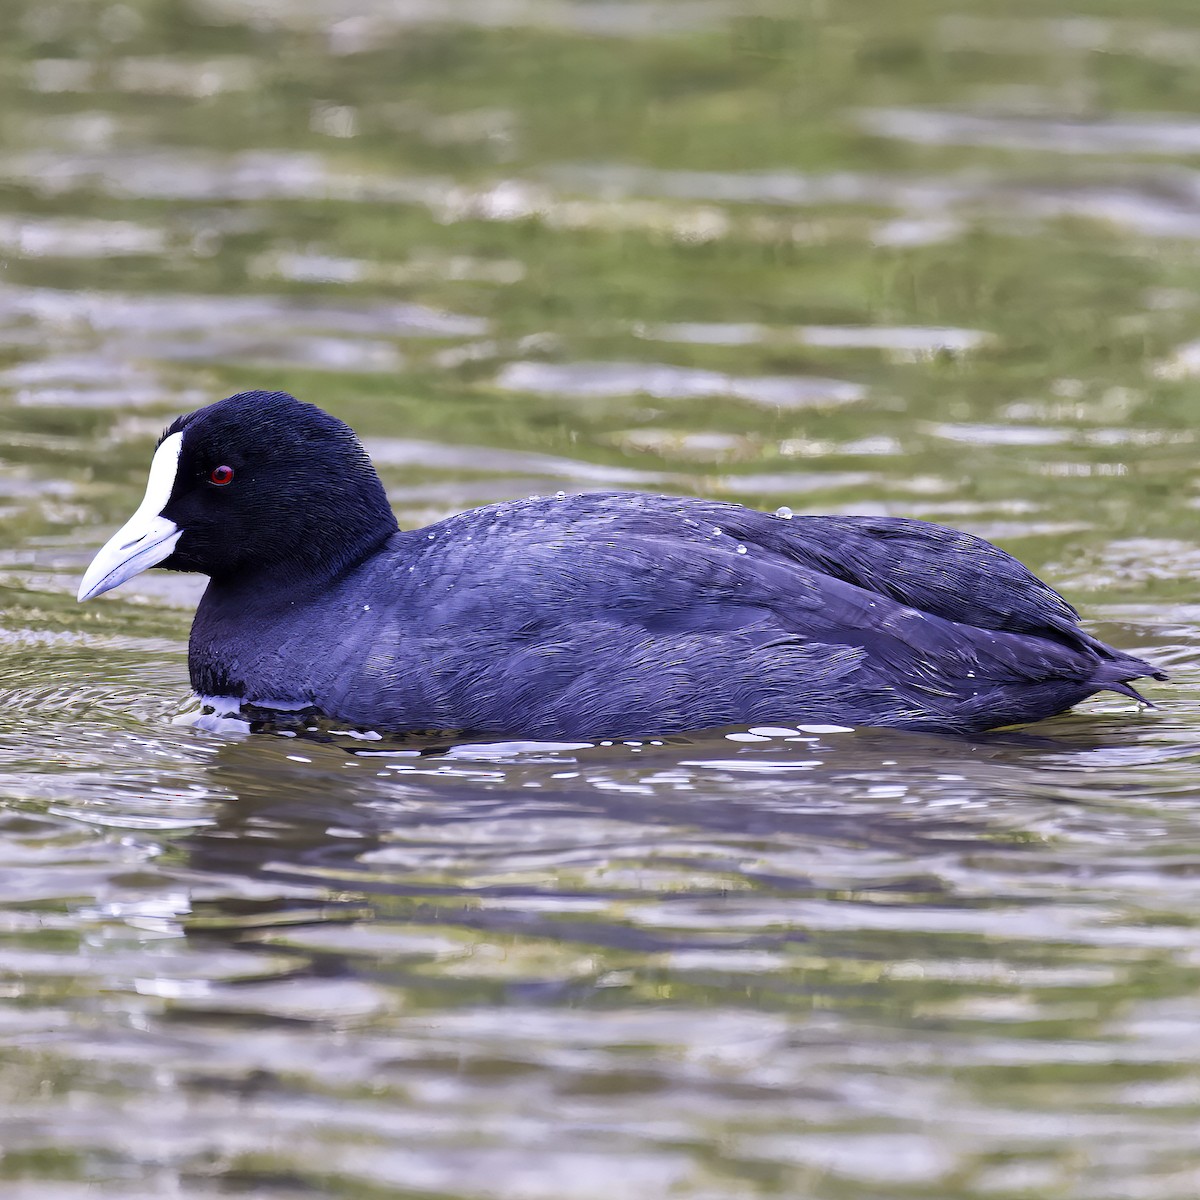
column 600, row 379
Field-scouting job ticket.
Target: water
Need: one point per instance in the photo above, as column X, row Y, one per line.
column 917, row 259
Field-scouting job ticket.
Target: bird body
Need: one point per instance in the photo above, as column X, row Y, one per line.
column 600, row 615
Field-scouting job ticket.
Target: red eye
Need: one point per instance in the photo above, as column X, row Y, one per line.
column 221, row 476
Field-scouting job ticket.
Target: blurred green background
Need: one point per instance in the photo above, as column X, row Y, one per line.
column 935, row 258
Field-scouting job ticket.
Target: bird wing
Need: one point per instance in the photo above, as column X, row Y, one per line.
column 704, row 564
column 940, row 571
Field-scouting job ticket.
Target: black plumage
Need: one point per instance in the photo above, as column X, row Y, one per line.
column 600, row 615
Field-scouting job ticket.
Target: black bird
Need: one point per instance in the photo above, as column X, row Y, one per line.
column 602, row 615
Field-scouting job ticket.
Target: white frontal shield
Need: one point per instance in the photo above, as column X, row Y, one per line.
column 147, row 537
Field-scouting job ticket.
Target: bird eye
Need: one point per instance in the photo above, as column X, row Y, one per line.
column 221, row 476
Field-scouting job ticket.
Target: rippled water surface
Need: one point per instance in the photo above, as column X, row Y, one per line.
column 937, row 258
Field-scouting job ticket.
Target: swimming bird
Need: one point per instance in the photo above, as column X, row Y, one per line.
column 601, row 615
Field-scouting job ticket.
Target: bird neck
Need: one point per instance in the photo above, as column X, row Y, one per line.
column 310, row 567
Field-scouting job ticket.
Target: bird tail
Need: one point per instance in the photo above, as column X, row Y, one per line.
column 1126, row 689
column 1116, row 671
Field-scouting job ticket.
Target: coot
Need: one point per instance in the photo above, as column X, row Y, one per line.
column 612, row 614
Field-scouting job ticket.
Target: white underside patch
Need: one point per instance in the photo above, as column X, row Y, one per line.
column 225, row 714
column 231, row 706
